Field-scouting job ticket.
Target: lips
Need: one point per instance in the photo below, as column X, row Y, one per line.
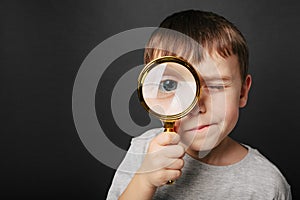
column 198, row 128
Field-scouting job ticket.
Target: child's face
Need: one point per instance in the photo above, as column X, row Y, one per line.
column 217, row 111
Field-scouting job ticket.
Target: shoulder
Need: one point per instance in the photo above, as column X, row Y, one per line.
column 148, row 135
column 140, row 143
column 263, row 165
column 137, row 151
column 131, row 163
column 269, row 175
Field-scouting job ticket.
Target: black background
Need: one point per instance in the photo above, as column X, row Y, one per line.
column 42, row 45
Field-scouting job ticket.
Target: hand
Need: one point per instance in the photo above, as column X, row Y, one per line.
column 163, row 161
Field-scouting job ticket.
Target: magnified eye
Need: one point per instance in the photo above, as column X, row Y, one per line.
column 168, row 85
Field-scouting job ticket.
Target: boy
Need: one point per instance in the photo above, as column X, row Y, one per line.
column 205, row 162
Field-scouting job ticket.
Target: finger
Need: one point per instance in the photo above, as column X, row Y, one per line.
column 173, row 151
column 168, row 175
column 176, row 164
column 176, row 126
column 167, row 138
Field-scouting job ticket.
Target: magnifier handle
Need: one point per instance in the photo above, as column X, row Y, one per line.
column 169, row 126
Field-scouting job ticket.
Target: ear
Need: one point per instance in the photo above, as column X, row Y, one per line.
column 245, row 90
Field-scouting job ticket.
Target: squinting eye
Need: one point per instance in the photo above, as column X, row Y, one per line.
column 168, row 85
column 215, row 87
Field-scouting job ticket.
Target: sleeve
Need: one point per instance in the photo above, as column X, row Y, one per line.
column 284, row 192
column 130, row 164
column 283, row 188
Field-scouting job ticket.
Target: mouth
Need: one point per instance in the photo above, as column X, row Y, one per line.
column 198, row 128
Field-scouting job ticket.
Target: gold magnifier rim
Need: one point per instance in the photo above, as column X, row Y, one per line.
column 156, row 62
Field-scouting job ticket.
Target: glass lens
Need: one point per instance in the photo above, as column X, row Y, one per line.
column 169, row 88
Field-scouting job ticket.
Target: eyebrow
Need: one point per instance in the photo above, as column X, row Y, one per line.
column 225, row 79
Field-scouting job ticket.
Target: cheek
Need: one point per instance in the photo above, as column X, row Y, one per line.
column 217, row 107
column 231, row 117
column 225, row 111
column 231, row 114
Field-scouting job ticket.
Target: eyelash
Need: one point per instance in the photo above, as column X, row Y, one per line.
column 215, row 87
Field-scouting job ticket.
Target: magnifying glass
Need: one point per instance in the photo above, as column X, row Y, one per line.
column 168, row 88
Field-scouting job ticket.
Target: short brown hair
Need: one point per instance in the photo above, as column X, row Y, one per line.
column 211, row 31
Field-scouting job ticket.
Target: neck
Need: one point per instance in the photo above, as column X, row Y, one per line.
column 226, row 153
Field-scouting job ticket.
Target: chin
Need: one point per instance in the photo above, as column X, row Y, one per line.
column 203, row 144
column 201, row 147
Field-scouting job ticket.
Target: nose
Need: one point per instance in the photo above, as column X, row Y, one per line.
column 200, row 107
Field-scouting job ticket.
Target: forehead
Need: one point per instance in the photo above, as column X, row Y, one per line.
column 215, row 66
